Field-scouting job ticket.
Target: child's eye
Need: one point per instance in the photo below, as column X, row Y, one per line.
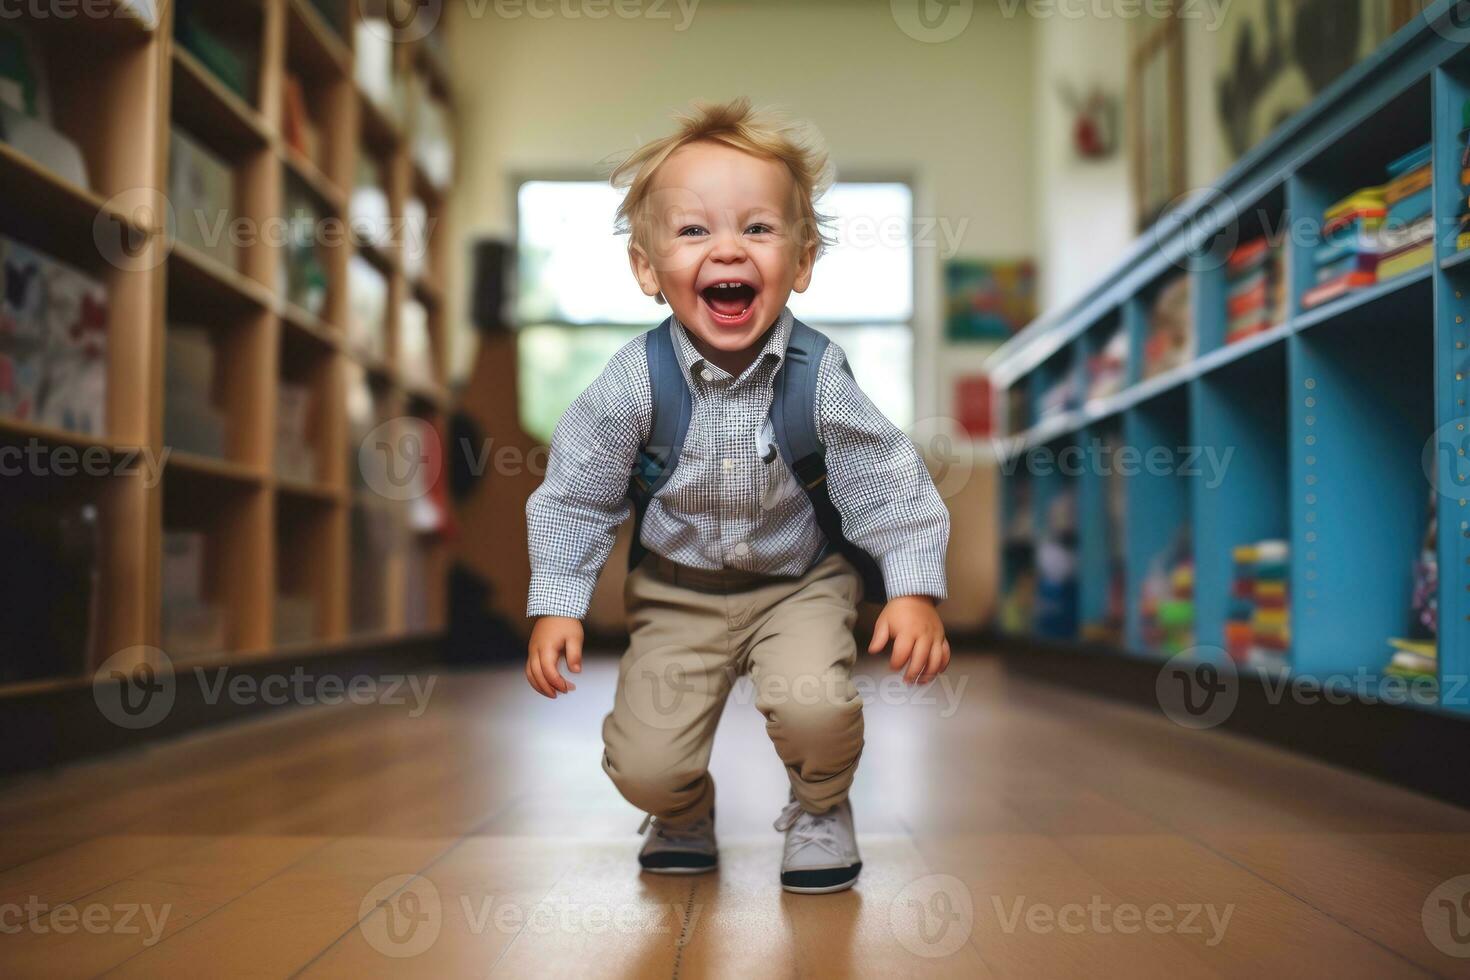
column 759, row 229
column 691, row 231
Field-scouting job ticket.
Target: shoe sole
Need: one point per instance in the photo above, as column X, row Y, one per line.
column 816, row 883
column 682, row 871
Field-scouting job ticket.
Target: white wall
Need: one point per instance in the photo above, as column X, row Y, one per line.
column 566, row 95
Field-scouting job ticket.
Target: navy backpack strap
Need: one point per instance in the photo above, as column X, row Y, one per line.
column 672, row 407
column 794, row 420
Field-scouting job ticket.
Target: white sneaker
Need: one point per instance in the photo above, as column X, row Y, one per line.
column 678, row 850
column 821, row 849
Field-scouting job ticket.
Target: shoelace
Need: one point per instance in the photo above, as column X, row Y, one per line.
column 696, row 833
column 809, row 829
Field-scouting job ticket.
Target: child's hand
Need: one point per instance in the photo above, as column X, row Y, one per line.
column 912, row 622
column 552, row 637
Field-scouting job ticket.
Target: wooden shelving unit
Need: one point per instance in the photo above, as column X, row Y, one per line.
column 1328, row 417
column 282, row 560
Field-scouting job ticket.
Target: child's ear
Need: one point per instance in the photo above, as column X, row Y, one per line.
column 804, row 266
column 643, row 272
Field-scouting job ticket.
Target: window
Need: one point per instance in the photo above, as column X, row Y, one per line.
column 578, row 302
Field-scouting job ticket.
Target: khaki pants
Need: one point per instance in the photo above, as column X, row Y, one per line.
column 794, row 637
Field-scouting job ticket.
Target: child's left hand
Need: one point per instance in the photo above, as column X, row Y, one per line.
column 912, row 622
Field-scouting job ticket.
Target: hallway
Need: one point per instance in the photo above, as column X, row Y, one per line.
column 1007, row 829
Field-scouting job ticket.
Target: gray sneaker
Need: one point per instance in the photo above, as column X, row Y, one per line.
column 821, row 849
column 678, row 850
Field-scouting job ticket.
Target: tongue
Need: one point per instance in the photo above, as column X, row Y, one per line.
column 728, row 302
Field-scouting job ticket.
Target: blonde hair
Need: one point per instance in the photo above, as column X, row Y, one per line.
column 760, row 133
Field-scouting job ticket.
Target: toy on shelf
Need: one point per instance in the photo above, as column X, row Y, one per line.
column 1167, row 598
column 1171, row 340
column 1255, row 277
column 1258, row 623
column 1416, row 655
column 1107, row 370
column 1056, row 566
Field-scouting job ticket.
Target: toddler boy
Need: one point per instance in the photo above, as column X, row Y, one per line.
column 734, row 572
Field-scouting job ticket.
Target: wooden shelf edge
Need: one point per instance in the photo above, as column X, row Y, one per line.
column 195, row 464
column 236, row 282
column 316, row 492
column 328, row 44
column 314, row 180
column 246, row 117
column 62, row 437
column 309, row 325
column 24, row 176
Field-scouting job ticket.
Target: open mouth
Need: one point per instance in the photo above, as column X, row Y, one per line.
column 729, row 300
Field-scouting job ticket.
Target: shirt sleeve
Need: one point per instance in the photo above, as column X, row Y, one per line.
column 889, row 505
column 573, row 517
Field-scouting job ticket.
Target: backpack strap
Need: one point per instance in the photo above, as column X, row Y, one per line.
column 794, row 420
column 672, row 407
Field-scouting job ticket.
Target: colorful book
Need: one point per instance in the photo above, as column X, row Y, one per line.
column 1340, row 286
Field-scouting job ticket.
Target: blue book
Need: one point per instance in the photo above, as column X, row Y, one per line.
column 1411, row 208
column 1410, row 161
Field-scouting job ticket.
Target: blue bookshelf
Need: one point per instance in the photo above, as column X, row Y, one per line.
column 1318, row 431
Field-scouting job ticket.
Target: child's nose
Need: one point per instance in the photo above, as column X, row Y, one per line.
column 729, row 247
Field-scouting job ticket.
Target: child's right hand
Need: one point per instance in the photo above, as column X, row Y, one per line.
column 552, row 637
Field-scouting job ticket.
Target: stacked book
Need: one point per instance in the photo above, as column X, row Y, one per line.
column 1258, row 621
column 1255, row 289
column 192, row 422
column 1351, row 246
column 1463, row 240
column 1414, row 660
column 1416, row 656
column 1408, row 231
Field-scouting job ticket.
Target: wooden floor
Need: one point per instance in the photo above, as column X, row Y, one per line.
column 1008, row 829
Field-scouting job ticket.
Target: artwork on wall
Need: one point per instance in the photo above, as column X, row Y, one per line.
column 988, row 299
column 1156, row 114
column 1275, row 56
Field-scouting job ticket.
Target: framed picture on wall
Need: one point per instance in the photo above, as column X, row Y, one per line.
column 1156, row 115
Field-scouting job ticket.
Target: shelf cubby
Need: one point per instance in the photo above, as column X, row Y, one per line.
column 1156, row 435
column 310, row 584
column 1240, row 496
column 1101, row 534
column 1266, row 217
column 1361, row 406
column 234, row 518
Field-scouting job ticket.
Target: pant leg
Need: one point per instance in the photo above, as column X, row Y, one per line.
column 800, row 655
column 672, row 685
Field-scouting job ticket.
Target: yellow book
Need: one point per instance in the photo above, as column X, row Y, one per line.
column 1363, row 199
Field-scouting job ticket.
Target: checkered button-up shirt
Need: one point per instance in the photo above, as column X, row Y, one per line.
column 731, row 501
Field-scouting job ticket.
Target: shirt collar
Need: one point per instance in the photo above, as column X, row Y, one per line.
column 695, row 366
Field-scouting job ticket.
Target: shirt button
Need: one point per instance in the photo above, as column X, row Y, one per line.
column 728, row 464
column 706, row 374
column 742, row 549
